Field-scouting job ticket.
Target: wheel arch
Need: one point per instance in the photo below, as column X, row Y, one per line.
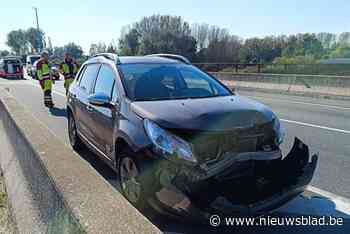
column 69, row 111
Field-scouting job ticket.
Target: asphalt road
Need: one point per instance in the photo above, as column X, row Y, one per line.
column 322, row 124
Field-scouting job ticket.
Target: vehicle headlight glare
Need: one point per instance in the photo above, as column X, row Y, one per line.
column 168, row 144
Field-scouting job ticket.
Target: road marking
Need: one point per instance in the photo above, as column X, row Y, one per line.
column 299, row 102
column 315, row 126
column 342, row 203
column 59, row 93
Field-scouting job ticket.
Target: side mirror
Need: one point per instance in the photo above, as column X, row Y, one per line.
column 101, row 100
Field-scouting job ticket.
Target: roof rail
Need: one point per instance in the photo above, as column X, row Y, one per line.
column 171, row 56
column 109, row 56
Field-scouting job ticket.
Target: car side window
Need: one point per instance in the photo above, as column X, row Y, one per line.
column 80, row 74
column 105, row 81
column 88, row 78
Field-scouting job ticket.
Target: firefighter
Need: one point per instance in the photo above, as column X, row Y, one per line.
column 45, row 79
column 69, row 68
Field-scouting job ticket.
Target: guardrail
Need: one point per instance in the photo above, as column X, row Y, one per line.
column 312, row 85
column 303, row 69
column 50, row 188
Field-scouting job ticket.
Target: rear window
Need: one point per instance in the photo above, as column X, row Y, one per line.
column 12, row 61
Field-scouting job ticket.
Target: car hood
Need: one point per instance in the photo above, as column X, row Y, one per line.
column 205, row 114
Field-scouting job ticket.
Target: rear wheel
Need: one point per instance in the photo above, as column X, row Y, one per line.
column 74, row 139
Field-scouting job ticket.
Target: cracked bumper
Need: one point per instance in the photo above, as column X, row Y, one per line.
column 182, row 196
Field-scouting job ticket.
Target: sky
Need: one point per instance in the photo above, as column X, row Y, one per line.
column 91, row 21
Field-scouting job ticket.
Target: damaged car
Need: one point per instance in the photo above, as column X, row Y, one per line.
column 181, row 141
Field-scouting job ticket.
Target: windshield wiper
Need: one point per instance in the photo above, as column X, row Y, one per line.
column 176, row 98
column 149, row 99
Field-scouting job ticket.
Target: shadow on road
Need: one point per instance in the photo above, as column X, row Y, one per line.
column 59, row 112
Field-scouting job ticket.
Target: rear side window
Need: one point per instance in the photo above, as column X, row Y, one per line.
column 105, row 81
column 88, row 78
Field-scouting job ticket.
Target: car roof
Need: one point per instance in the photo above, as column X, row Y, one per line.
column 135, row 60
column 145, row 59
column 12, row 58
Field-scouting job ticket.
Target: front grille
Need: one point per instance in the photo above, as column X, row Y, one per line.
column 211, row 146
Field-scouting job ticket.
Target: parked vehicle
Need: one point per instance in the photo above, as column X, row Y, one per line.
column 31, row 59
column 180, row 140
column 11, row 67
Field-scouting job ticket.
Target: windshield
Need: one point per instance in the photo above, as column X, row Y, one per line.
column 148, row 82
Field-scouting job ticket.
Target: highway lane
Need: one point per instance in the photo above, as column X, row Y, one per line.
column 333, row 146
column 334, row 166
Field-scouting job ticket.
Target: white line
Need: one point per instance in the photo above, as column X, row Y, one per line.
column 327, row 194
column 342, row 203
column 298, row 102
column 59, row 93
column 316, row 126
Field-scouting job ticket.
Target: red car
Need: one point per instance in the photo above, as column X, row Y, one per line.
column 11, row 67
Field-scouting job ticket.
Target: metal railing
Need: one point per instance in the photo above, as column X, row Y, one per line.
column 304, row 69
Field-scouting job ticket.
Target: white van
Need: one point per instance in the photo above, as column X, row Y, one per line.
column 31, row 59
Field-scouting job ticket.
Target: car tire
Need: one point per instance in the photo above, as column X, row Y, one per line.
column 74, row 139
column 131, row 185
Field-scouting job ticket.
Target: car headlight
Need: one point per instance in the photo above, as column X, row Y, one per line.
column 168, row 144
column 279, row 130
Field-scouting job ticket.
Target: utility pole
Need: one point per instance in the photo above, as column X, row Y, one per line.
column 38, row 29
column 36, row 16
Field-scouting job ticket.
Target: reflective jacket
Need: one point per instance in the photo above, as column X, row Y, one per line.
column 43, row 70
column 69, row 69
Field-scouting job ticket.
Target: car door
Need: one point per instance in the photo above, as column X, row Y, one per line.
column 83, row 108
column 104, row 118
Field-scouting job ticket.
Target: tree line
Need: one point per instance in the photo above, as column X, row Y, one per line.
column 32, row 41
column 211, row 44
column 199, row 42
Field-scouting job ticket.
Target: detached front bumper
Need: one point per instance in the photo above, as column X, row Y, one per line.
column 185, row 194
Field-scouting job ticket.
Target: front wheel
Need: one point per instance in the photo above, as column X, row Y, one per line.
column 130, row 181
column 74, row 139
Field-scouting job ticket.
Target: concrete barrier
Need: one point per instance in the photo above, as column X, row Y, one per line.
column 311, row 85
column 50, row 188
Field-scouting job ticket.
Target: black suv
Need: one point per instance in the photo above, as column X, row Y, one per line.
column 180, row 140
